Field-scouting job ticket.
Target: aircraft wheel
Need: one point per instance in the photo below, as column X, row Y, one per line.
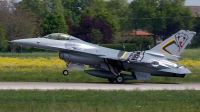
column 65, row 72
column 111, row 80
column 119, row 79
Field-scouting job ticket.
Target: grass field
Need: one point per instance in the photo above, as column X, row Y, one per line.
column 47, row 67
column 99, row 101
column 187, row 53
column 193, row 54
column 46, row 54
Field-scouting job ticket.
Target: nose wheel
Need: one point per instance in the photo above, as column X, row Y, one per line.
column 65, row 72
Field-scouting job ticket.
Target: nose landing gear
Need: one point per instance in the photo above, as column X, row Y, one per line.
column 66, row 72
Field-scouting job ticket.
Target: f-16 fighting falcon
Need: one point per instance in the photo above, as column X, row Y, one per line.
column 109, row 63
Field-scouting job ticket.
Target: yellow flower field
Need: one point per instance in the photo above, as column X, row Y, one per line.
column 38, row 64
column 48, row 69
column 189, row 62
column 30, row 64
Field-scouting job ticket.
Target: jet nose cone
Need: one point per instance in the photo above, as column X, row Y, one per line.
column 14, row 41
column 26, row 42
column 19, row 41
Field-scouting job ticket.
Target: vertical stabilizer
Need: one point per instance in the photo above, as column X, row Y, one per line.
column 175, row 44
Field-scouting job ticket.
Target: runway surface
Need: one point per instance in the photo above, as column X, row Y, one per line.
column 97, row 86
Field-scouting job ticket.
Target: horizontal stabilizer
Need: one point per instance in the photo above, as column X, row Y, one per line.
column 176, row 70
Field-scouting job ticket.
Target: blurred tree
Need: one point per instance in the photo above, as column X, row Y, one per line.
column 178, row 17
column 108, row 18
column 96, row 5
column 54, row 23
column 142, row 42
column 17, row 21
column 105, row 29
column 43, row 7
column 162, row 17
column 120, row 11
column 73, row 9
column 89, row 27
column 197, row 24
column 56, row 6
column 141, row 9
column 3, row 43
column 196, row 39
column 36, row 6
column 97, row 9
column 96, row 36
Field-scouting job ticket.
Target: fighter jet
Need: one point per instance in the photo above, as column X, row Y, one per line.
column 108, row 63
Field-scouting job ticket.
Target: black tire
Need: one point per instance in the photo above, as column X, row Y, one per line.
column 111, row 80
column 119, row 79
column 65, row 72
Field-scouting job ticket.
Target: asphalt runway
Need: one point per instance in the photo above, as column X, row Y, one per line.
column 96, row 86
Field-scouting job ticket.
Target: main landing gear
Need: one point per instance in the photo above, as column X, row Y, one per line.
column 118, row 79
column 65, row 72
column 111, row 80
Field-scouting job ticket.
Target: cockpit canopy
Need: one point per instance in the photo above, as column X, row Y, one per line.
column 59, row 36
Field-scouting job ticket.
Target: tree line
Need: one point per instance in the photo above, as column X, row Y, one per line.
column 96, row 21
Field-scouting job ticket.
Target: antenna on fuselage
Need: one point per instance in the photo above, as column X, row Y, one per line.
column 21, row 51
column 124, row 47
column 149, row 46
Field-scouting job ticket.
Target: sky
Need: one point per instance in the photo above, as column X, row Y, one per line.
column 192, row 2
column 188, row 2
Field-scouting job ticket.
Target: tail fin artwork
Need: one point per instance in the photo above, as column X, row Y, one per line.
column 175, row 44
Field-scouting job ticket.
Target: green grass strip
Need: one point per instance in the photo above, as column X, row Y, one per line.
column 99, row 101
